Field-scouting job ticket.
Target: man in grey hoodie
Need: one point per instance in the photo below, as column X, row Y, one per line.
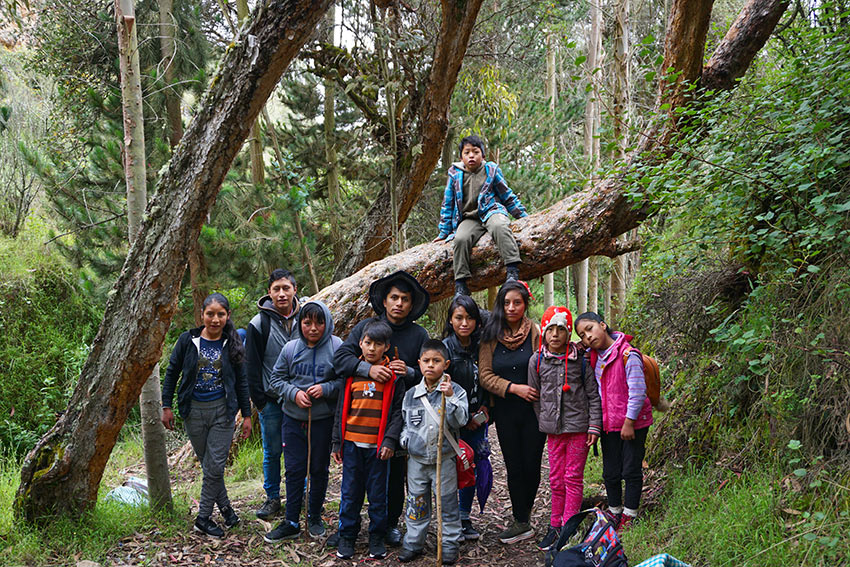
column 268, row 331
column 305, row 384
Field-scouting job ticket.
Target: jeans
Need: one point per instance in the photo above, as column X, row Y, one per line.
column 295, row 458
column 421, row 482
column 271, row 422
column 363, row 473
column 623, row 461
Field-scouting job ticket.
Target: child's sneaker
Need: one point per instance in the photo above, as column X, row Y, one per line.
column 284, row 530
column 406, row 555
column 333, row 540
column 316, row 527
column 230, row 517
column 517, row 532
column 269, row 508
column 377, row 547
column 625, row 522
column 345, row 550
column 469, row 532
column 206, row 525
column 550, row 539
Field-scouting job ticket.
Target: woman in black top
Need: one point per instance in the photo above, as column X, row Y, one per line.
column 508, row 341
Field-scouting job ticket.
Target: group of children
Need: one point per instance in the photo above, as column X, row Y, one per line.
column 375, row 402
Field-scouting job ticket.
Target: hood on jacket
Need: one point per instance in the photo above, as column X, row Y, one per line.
column 266, row 304
column 329, row 322
column 379, row 289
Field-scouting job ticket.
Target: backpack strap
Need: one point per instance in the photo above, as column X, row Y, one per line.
column 446, row 432
column 265, row 327
column 567, row 531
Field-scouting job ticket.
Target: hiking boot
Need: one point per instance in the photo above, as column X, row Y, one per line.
column 377, row 549
column 269, row 509
column 393, row 537
column 625, row 522
column 512, row 273
column 284, row 530
column 461, row 288
column 468, row 532
column 517, row 532
column 230, row 517
column 345, row 549
column 333, row 540
column 207, row 526
column 407, row 555
column 550, row 539
column 316, row 527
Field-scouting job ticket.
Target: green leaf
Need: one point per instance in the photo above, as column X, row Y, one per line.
column 800, row 472
column 581, row 59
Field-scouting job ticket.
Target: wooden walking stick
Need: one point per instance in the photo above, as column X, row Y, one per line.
column 309, row 452
column 439, row 483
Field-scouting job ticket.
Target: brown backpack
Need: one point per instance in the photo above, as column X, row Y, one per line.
column 652, row 377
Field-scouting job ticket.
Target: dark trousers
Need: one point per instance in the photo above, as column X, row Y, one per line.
column 623, row 461
column 522, row 448
column 395, row 490
column 363, row 473
column 295, row 459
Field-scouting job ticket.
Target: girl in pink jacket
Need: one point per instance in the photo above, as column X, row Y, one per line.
column 626, row 412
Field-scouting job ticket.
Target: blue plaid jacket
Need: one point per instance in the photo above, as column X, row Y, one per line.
column 495, row 197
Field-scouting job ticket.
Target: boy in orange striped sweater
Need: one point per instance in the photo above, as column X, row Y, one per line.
column 366, row 432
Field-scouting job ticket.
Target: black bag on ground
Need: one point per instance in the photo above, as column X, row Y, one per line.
column 600, row 547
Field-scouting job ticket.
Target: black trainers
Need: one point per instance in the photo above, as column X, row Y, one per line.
column 550, row 539
column 468, row 532
column 345, row 549
column 316, row 526
column 377, row 549
column 406, row 555
column 393, row 537
column 461, row 288
column 449, row 556
column 333, row 540
column 208, row 527
column 284, row 530
column 230, row 517
column 512, row 273
column 269, row 509
column 518, row 531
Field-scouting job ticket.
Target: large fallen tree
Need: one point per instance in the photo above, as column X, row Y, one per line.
column 62, row 473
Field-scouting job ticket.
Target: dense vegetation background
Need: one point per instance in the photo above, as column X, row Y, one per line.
column 741, row 293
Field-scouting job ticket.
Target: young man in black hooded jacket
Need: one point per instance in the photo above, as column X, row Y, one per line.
column 400, row 300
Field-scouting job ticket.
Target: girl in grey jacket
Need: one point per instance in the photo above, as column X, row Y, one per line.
column 568, row 411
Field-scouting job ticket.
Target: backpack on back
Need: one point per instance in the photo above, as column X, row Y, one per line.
column 652, row 377
column 600, row 546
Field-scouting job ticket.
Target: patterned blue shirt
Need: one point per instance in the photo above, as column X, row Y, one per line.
column 208, row 385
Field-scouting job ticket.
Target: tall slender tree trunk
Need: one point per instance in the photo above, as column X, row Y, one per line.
column 153, row 433
column 551, row 90
column 593, row 284
column 255, row 141
column 168, row 50
column 334, row 197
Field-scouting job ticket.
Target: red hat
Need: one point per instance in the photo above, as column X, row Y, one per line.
column 561, row 317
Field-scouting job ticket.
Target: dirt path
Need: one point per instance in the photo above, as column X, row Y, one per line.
column 244, row 545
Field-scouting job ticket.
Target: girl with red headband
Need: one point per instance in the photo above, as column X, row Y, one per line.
column 568, row 410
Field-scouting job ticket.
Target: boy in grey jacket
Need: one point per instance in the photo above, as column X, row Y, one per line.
column 419, row 437
column 304, row 382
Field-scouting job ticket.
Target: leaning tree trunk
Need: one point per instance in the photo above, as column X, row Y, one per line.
column 62, row 473
column 373, row 238
column 588, row 223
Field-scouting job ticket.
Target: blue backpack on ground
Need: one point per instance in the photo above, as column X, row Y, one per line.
column 600, row 547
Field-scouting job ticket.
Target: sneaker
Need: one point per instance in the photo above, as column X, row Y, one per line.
column 377, row 549
column 333, row 540
column 550, row 539
column 406, row 555
column 468, row 532
column 208, row 526
column 517, row 532
column 345, row 549
column 269, row 509
column 616, row 520
column 449, row 557
column 461, row 288
column 229, row 516
column 316, row 526
column 625, row 522
column 512, row 273
column 284, row 530
column 393, row 537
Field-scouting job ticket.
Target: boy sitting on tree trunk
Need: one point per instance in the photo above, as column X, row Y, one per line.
column 477, row 200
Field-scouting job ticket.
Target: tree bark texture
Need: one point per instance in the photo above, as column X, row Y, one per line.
column 372, row 239
column 168, row 49
column 62, row 473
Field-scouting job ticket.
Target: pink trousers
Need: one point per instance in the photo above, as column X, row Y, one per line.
column 567, row 456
